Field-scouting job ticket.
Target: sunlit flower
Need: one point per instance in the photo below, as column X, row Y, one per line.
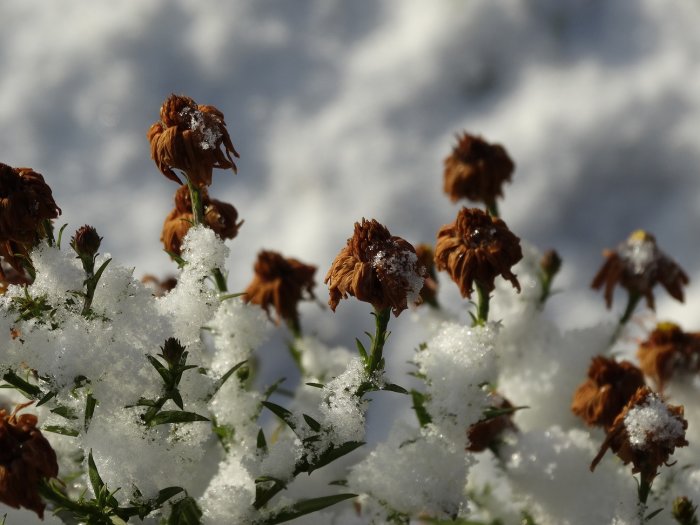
column 426, row 258
column 645, row 433
column 190, row 137
column 26, row 457
column 280, row 283
column 476, row 170
column 637, row 265
column 219, row 216
column 377, row 268
column 669, row 350
column 25, row 203
column 609, row 387
column 477, row 248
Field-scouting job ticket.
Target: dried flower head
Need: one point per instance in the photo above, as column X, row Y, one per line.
column 668, row 350
column 26, row 457
column 377, row 268
column 477, row 248
column 426, row 258
column 645, row 433
column 609, row 387
column 219, row 216
column 25, row 203
column 476, row 170
column 486, row 432
column 280, row 282
column 637, row 265
column 159, row 287
column 190, row 137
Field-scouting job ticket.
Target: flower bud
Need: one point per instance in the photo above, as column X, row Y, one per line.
column 86, row 242
column 684, row 511
column 172, row 351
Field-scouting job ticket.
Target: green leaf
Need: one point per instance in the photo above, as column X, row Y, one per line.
column 419, row 408
column 262, row 442
column 282, row 413
column 90, row 404
column 303, row 507
column 361, row 349
column 185, row 512
column 273, row 388
column 391, row 387
column 224, row 378
column 64, row 412
column 46, row 398
column 230, row 296
column 331, row 454
column 101, row 269
column 175, row 416
column 177, row 398
column 491, row 413
column 58, row 429
column 95, row 479
column 653, row 514
column 164, row 372
column 315, row 385
column 60, row 235
column 313, row 424
column 29, row 390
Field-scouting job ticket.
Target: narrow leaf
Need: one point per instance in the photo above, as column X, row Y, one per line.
column 185, row 512
column 225, row 377
column 334, row 453
column 313, row 424
column 282, row 413
column 315, row 385
column 306, row 507
column 47, row 397
column 95, row 479
column 391, row 387
column 101, row 269
column 262, row 442
column 361, row 349
column 64, row 412
column 164, row 373
column 175, row 416
column 58, row 429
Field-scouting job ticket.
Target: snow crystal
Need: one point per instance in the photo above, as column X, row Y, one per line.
column 230, row 495
column 402, row 264
column 319, row 361
column 639, row 253
column 652, row 422
column 210, row 135
column 341, row 410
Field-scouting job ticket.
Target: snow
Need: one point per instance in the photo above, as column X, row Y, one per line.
column 652, row 423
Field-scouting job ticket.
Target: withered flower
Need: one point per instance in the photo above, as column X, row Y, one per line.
column 25, row 203
column 645, row 433
column 637, row 265
column 280, row 283
column 609, row 387
column 193, row 138
column 426, row 259
column 9, row 276
column 668, row 350
column 486, row 432
column 26, row 457
column 377, row 268
column 159, row 288
column 476, row 170
column 477, row 248
column 219, row 216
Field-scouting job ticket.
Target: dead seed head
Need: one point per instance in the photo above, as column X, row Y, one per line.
column 377, row 268
column 193, row 138
column 669, row 351
column 477, row 248
column 638, row 265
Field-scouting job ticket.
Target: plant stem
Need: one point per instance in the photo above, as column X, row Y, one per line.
column 482, row 312
column 376, row 360
column 197, row 206
column 632, row 301
column 220, row 280
column 295, row 328
column 492, row 208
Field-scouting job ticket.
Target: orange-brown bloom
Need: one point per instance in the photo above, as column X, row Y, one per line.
column 609, row 387
column 476, row 170
column 159, row 288
column 426, row 258
column 377, row 268
column 219, row 216
column 637, row 265
column 645, row 433
column 669, row 350
column 25, row 203
column 280, row 282
column 485, row 433
column 26, row 457
column 477, row 248
column 190, row 137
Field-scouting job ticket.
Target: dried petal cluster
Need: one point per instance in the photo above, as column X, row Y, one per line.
column 219, row 216
column 645, row 433
column 26, row 457
column 477, row 248
column 25, row 203
column 426, row 258
column 609, row 387
column 638, row 265
column 486, row 432
column 377, row 268
column 476, row 170
column 280, row 283
column 193, row 138
column 669, row 350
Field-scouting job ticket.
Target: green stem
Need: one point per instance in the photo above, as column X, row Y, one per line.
column 295, row 328
column 482, row 312
column 376, row 359
column 220, row 280
column 643, row 490
column 632, row 300
column 492, row 208
column 197, row 205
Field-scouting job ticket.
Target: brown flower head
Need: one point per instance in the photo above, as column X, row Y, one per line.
column 219, row 216
column 476, row 170
column 25, row 203
column 280, row 282
column 25, row 458
column 645, row 433
column 190, row 137
column 610, row 385
column 486, row 432
column 668, row 350
column 377, row 268
column 86, row 241
column 158, row 287
column 426, row 259
column 477, row 248
column 637, row 265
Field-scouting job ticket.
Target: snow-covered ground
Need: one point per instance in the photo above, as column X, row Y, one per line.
column 343, row 110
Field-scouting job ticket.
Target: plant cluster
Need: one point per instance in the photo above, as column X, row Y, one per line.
column 143, row 391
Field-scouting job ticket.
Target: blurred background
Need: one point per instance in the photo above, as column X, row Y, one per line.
column 343, row 110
